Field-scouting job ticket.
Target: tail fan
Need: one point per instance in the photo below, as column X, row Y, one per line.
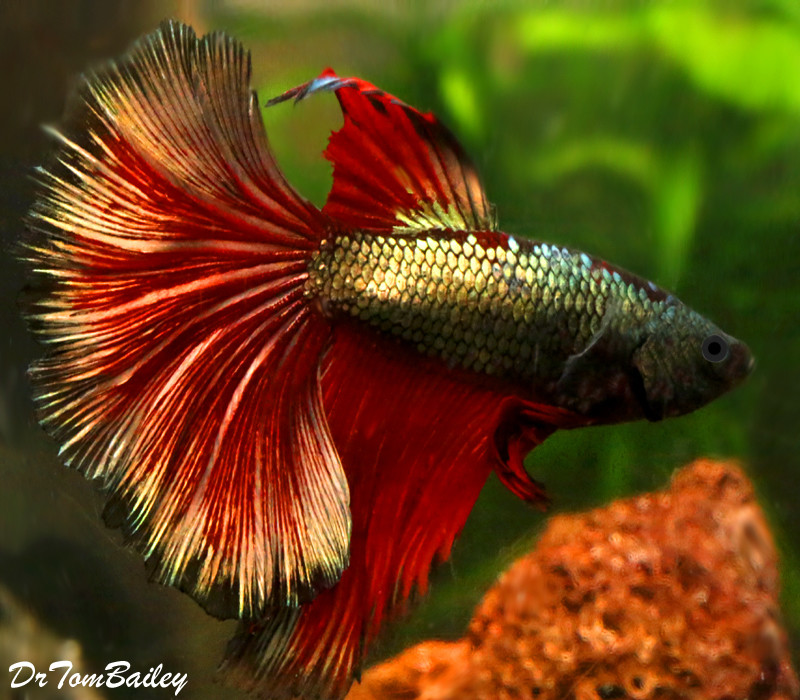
column 182, row 358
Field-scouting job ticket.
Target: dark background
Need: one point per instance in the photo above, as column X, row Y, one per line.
column 663, row 136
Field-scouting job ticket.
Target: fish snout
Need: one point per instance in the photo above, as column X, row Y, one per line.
column 729, row 358
column 740, row 363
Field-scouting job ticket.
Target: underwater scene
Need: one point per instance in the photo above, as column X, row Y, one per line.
column 497, row 398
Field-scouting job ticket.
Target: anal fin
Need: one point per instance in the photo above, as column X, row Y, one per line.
column 417, row 443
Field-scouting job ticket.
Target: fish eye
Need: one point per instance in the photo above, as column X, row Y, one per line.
column 715, row 348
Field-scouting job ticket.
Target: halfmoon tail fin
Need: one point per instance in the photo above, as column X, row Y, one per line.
column 182, row 363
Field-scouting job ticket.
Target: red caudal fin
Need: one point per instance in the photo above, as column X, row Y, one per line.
column 182, row 359
column 417, row 444
column 395, row 168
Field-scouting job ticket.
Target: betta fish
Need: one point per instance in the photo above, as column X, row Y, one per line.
column 293, row 410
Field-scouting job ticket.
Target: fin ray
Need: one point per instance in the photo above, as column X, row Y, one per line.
column 182, row 357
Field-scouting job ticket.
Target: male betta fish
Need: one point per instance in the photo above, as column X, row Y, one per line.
column 293, row 410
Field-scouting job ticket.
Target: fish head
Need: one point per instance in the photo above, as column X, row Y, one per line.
column 685, row 361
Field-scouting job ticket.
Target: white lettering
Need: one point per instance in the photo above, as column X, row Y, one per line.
column 150, row 678
column 117, row 674
column 133, row 680
column 62, row 664
column 115, row 670
column 20, row 666
column 179, row 682
column 96, row 679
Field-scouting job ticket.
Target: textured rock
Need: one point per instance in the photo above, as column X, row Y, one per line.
column 668, row 595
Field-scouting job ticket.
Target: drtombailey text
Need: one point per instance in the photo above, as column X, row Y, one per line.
column 117, row 674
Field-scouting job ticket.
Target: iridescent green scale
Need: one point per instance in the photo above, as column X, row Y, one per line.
column 490, row 303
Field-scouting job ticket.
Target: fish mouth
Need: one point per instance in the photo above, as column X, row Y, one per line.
column 740, row 364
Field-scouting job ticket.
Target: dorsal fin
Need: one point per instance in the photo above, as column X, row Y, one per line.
column 395, row 168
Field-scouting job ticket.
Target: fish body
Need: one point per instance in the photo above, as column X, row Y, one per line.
column 293, row 410
column 562, row 325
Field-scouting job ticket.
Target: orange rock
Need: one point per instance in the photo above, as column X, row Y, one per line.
column 664, row 596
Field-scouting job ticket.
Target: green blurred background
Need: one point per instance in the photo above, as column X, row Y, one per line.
column 663, row 136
